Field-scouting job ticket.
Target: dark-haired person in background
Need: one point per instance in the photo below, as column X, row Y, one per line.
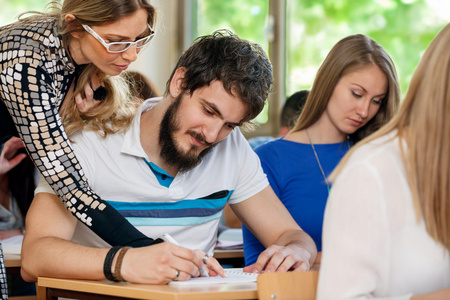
column 289, row 114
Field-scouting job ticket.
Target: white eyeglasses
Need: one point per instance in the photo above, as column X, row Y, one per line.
column 117, row 47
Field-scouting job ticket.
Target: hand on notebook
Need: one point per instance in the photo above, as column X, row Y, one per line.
column 281, row 259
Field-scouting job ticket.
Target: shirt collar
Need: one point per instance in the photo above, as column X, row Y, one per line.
column 132, row 140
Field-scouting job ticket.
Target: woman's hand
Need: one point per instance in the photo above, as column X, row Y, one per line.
column 8, row 157
column 85, row 101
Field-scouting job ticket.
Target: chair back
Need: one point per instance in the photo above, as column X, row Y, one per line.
column 288, row 285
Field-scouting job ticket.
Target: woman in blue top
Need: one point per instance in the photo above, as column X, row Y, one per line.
column 354, row 93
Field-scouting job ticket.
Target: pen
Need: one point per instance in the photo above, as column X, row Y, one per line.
column 170, row 239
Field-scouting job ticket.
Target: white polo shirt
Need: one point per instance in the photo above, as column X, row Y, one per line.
column 189, row 209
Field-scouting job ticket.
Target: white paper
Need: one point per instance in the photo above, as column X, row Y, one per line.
column 12, row 245
column 235, row 275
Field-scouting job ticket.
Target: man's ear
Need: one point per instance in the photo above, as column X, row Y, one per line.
column 177, row 82
column 70, row 23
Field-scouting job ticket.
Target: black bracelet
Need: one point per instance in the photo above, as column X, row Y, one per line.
column 108, row 262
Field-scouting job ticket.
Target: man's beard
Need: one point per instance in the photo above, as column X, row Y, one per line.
column 170, row 151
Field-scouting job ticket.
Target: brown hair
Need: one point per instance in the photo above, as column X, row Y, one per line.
column 92, row 12
column 99, row 12
column 349, row 54
column 141, row 86
column 113, row 114
column 242, row 66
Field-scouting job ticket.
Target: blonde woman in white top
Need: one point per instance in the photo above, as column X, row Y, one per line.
column 387, row 226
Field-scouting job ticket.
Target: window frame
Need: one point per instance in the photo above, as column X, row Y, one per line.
column 276, row 31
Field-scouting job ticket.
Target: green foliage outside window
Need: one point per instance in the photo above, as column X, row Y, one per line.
column 13, row 8
column 245, row 18
column 403, row 27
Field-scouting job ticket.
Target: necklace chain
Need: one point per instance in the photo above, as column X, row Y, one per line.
column 318, row 161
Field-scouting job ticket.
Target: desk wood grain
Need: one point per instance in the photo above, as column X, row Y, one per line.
column 143, row 291
column 228, row 253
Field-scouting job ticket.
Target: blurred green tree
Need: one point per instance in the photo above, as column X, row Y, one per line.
column 11, row 9
column 403, row 27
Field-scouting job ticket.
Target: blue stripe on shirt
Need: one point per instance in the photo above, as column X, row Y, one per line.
column 172, row 221
column 184, row 212
column 171, row 213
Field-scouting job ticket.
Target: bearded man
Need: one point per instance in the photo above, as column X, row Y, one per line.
column 180, row 161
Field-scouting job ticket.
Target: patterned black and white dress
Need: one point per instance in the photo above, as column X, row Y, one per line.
column 35, row 75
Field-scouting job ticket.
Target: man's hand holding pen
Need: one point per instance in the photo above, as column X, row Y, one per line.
column 208, row 265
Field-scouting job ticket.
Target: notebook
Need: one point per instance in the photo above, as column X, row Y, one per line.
column 235, row 275
column 12, row 245
column 230, row 238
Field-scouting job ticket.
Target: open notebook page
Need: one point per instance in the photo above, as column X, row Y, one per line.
column 12, row 245
column 235, row 275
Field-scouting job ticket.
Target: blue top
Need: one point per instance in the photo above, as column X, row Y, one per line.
column 295, row 176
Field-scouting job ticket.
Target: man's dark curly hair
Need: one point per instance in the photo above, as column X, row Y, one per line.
column 242, row 66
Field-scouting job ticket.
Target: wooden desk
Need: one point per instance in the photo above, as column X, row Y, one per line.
column 50, row 288
column 12, row 263
column 225, row 253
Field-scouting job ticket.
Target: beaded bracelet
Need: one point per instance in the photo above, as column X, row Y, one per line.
column 120, row 256
column 108, row 262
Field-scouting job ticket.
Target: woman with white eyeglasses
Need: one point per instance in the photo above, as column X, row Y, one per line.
column 60, row 68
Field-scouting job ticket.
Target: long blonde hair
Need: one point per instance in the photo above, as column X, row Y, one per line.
column 423, row 122
column 113, row 114
column 350, row 54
